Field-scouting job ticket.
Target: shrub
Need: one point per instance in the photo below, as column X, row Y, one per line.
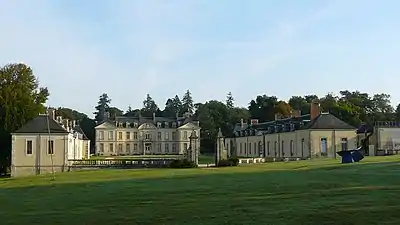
column 182, row 163
column 233, row 161
column 224, row 162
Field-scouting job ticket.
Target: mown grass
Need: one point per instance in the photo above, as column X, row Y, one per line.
column 308, row 192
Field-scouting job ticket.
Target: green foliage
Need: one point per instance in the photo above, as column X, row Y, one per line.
column 149, row 107
column 182, row 163
column 187, row 103
column 234, row 161
column 230, row 101
column 364, row 194
column 21, row 99
column 102, row 107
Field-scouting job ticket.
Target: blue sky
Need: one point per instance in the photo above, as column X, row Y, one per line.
column 80, row 49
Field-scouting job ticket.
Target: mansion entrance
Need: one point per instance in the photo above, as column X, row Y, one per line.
column 147, row 148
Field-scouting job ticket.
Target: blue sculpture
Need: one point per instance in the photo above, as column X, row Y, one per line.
column 351, row 156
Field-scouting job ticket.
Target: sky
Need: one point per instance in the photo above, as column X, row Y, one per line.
column 128, row 48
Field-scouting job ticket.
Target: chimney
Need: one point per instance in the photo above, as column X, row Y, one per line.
column 315, row 110
column 51, row 112
column 154, row 117
column 296, row 113
column 70, row 125
column 241, row 123
column 66, row 124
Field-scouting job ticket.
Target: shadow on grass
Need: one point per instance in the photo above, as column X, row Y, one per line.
column 314, row 196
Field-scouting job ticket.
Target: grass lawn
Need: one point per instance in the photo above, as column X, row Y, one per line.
column 316, row 192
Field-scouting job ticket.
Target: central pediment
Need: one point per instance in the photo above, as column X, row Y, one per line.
column 147, row 126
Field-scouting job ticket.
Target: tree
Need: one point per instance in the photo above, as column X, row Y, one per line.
column 71, row 114
column 230, row 101
column 177, row 106
column 187, row 103
column 114, row 112
column 102, row 107
column 397, row 113
column 300, row 103
column 263, row 108
column 21, row 100
column 169, row 110
column 283, row 108
column 149, row 107
column 212, row 115
column 84, row 122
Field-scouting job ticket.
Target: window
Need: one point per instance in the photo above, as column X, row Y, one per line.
column 275, row 147
column 255, row 148
column 283, row 148
column 29, row 147
column 128, row 148
column 166, row 148
column 134, row 147
column 185, row 146
column 245, row 149
column 185, row 135
column 135, row 135
column 147, row 136
column 101, row 135
column 119, row 135
column 159, row 136
column 249, row 148
column 166, row 135
column 159, row 147
column 174, row 147
column 110, row 135
column 101, row 147
column 302, row 147
column 173, row 136
column 324, row 146
column 240, row 148
column 119, row 148
column 50, row 149
column 128, row 135
column 291, row 148
column 267, row 147
column 344, row 144
column 111, row 148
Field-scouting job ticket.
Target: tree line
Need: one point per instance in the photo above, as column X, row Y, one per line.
column 22, row 99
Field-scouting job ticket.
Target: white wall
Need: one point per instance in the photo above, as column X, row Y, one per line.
column 75, row 148
column 388, row 138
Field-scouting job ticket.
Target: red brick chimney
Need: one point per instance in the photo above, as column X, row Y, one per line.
column 315, row 110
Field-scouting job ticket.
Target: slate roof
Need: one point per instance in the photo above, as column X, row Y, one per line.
column 324, row 121
column 79, row 130
column 141, row 120
column 328, row 121
column 39, row 125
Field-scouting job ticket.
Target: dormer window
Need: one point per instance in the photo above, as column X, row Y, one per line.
column 158, row 125
column 173, row 125
column 166, row 124
column 135, row 124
